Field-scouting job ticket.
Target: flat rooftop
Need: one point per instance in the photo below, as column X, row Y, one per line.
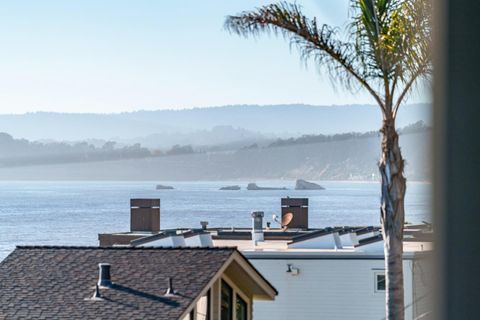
column 417, row 239
column 247, row 246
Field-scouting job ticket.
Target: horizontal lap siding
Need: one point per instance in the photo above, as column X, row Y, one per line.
column 324, row 289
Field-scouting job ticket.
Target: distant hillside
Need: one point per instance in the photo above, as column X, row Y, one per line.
column 352, row 159
column 215, row 138
column 22, row 152
column 166, row 125
column 418, row 127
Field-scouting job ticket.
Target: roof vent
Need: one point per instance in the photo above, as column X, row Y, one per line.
column 104, row 280
column 97, row 294
column 257, row 226
column 170, row 290
column 204, row 224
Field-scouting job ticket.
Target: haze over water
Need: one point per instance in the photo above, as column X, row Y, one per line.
column 73, row 213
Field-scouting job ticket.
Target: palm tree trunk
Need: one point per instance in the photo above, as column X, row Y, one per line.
column 392, row 218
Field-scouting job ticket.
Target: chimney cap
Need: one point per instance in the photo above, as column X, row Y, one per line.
column 145, row 203
column 257, row 214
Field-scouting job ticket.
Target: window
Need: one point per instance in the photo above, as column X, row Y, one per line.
column 226, row 302
column 241, row 309
column 379, row 282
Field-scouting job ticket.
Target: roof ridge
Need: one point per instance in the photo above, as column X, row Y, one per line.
column 122, row 248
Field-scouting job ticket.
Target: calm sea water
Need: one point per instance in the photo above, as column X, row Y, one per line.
column 73, row 213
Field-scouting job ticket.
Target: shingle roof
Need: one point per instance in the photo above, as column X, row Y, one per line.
column 57, row 282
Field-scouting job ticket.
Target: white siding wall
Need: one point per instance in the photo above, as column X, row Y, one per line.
column 326, row 289
column 328, row 241
column 348, row 239
column 199, row 240
column 172, row 241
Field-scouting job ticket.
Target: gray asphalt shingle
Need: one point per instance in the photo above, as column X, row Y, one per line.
column 57, row 282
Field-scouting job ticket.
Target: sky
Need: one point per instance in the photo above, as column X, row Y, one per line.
column 118, row 55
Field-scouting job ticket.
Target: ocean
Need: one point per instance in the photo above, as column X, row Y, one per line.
column 73, row 213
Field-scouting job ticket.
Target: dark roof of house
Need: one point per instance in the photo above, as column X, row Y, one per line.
column 369, row 240
column 366, row 230
column 194, row 232
column 150, row 238
column 166, row 234
column 58, row 282
column 242, row 234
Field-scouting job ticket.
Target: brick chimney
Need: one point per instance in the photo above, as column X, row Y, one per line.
column 298, row 207
column 145, row 215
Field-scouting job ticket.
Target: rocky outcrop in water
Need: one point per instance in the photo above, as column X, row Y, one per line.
column 301, row 184
column 162, row 187
column 230, row 188
column 254, row 186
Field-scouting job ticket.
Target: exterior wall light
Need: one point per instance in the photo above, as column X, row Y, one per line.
column 292, row 270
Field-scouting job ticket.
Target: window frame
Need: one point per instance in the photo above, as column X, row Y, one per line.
column 232, row 298
column 240, row 293
column 376, row 274
column 239, row 297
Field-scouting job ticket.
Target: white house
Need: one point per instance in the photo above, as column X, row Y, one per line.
column 335, row 285
column 321, row 273
column 335, row 282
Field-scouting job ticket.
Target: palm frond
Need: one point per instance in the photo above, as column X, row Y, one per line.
column 398, row 50
column 312, row 41
column 388, row 48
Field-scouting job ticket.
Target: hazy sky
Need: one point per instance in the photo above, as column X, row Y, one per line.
column 114, row 55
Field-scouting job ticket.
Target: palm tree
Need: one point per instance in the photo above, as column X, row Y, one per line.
column 386, row 53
